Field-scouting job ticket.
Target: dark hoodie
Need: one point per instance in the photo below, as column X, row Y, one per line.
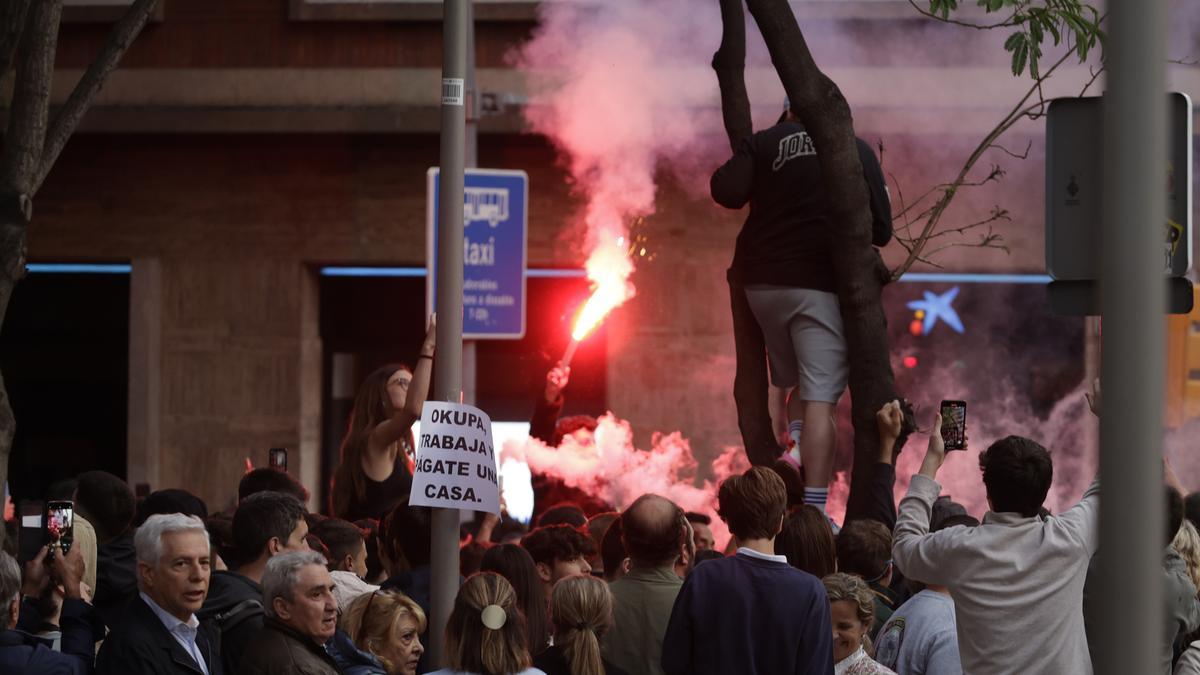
column 234, row 605
column 116, row 578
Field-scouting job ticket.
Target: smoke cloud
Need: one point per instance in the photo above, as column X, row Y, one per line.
column 614, row 470
column 611, row 84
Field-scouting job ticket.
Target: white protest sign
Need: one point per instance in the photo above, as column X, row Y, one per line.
column 456, row 460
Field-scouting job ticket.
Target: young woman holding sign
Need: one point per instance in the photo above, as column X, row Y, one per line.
column 378, row 450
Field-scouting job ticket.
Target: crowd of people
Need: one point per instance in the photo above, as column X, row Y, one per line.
column 160, row 585
column 270, row 587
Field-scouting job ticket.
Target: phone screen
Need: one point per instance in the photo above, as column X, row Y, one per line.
column 954, row 424
column 277, row 459
column 60, row 521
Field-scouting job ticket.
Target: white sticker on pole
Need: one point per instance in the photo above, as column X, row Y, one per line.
column 456, row 459
column 452, row 91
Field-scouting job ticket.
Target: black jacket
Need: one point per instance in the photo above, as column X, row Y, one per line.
column 116, row 578
column 281, row 650
column 787, row 238
column 553, row 661
column 23, row 653
column 140, row 643
column 234, row 607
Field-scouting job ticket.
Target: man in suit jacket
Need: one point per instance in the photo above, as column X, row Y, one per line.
column 20, row 650
column 159, row 631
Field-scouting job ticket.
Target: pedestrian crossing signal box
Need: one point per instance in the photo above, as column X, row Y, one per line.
column 1074, row 203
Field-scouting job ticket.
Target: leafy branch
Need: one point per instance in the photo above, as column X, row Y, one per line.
column 1069, row 22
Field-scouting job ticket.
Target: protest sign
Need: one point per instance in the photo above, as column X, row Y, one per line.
column 456, row 460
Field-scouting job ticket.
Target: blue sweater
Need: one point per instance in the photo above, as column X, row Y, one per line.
column 749, row 616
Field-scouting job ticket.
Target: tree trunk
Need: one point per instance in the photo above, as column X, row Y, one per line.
column 29, row 30
column 14, row 214
column 750, row 384
column 859, row 271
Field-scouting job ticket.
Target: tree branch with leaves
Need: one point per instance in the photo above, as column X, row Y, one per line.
column 1072, row 23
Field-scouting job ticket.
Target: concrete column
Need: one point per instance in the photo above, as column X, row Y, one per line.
column 145, row 372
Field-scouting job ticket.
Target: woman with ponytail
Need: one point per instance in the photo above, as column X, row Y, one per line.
column 485, row 634
column 581, row 611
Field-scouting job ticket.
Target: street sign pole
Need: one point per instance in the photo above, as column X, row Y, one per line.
column 1132, row 304
column 471, row 160
column 447, row 376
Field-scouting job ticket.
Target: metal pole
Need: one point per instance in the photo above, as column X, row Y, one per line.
column 471, row 160
column 1133, row 310
column 447, row 376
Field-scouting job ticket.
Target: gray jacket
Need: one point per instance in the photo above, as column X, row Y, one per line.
column 1017, row 582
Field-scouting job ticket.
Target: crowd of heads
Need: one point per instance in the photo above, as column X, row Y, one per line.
column 523, row 588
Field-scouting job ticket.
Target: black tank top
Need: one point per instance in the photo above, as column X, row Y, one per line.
column 380, row 497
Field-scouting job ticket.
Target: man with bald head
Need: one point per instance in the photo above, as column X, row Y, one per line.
column 656, row 536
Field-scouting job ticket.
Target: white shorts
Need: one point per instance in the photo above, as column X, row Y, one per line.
column 802, row 329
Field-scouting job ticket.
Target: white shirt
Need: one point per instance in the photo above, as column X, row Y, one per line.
column 762, row 556
column 184, row 632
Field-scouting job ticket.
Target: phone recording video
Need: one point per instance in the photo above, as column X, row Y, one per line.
column 60, row 521
column 954, row 424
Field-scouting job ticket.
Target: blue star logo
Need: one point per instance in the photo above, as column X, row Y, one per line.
column 938, row 307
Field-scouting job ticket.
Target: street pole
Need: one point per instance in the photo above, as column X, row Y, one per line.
column 1133, row 309
column 447, row 375
column 471, row 161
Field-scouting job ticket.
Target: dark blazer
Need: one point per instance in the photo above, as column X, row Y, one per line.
column 21, row 652
column 278, row 649
column 142, row 644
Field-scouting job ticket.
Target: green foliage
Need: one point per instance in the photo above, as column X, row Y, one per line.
column 1035, row 21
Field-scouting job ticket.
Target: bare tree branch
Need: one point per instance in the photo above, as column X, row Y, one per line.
column 122, row 35
column 12, row 24
column 1015, row 155
column 31, row 99
column 1018, row 111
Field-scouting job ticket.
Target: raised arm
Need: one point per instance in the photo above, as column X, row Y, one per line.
column 919, row 554
column 732, row 183
column 881, row 500
column 395, row 427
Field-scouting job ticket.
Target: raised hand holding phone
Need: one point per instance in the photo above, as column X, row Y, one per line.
column 935, row 453
column 953, row 424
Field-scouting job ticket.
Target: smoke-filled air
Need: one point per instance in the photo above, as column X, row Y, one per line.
column 614, row 470
column 611, row 84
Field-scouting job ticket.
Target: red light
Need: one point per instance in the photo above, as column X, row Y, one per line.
column 910, row 362
column 916, row 327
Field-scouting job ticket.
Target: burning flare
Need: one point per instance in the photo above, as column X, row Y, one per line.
column 608, row 268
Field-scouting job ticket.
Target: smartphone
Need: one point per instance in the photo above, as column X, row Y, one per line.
column 954, row 424
column 60, row 525
column 277, row 459
column 30, row 537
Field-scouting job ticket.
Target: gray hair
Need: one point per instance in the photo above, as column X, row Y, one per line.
column 148, row 540
column 10, row 579
column 282, row 573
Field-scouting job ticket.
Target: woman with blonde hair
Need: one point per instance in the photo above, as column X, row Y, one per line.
column 581, row 611
column 852, row 604
column 485, row 634
column 1187, row 544
column 387, row 625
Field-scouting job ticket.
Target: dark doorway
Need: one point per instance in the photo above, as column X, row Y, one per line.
column 376, row 317
column 64, row 352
